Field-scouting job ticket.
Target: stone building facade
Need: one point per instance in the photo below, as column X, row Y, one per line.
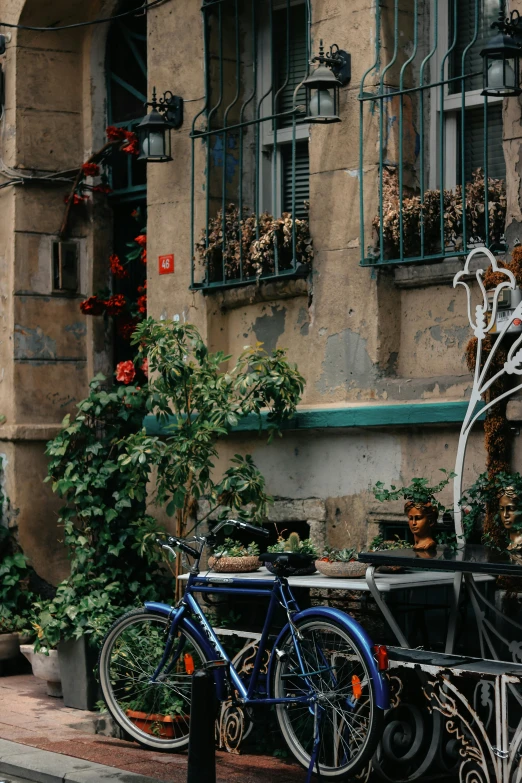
column 381, row 343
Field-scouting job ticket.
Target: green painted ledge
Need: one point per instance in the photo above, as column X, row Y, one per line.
column 351, row 416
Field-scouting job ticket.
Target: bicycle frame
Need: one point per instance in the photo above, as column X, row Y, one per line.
column 189, row 614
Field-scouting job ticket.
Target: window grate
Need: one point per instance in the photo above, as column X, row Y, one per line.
column 430, row 194
column 252, row 145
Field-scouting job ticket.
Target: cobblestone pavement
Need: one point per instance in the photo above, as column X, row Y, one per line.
column 30, row 717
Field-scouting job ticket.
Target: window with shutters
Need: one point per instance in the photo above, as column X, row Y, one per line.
column 249, row 215
column 441, row 170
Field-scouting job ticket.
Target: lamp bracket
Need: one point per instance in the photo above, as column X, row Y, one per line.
column 338, row 60
column 170, row 105
column 509, row 25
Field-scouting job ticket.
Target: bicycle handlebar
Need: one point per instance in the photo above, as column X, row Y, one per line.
column 180, row 543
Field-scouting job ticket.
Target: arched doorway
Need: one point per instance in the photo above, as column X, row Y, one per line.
column 126, row 80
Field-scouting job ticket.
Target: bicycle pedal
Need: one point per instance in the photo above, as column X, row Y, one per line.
column 282, row 655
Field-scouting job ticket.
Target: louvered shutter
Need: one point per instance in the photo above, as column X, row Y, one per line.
column 474, row 142
column 301, row 175
column 467, row 10
column 295, row 65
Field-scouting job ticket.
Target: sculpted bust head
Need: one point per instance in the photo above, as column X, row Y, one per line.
column 421, row 520
column 510, row 510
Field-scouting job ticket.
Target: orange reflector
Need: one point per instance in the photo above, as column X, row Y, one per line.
column 356, row 687
column 381, row 656
column 189, row 663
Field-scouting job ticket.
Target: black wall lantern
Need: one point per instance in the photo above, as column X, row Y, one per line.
column 502, row 57
column 154, row 130
column 323, row 84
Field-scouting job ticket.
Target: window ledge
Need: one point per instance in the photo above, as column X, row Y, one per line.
column 232, row 298
column 439, row 273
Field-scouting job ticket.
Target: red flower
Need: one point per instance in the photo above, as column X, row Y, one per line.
column 131, row 147
column 76, row 199
column 145, row 367
column 142, row 304
column 135, row 213
column 141, row 240
column 90, row 169
column 125, row 372
column 92, row 306
column 116, row 304
column 144, row 255
column 117, row 268
column 126, row 327
column 115, row 134
column 102, row 189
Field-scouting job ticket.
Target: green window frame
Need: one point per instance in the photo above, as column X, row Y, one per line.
column 437, row 137
column 249, row 140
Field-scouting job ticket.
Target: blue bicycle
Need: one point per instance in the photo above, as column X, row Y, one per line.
column 324, row 676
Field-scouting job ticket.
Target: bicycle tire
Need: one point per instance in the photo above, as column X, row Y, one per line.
column 126, row 686
column 341, row 754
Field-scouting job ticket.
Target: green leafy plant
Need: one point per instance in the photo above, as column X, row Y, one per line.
column 233, row 548
column 380, row 544
column 418, row 491
column 484, row 493
column 200, row 403
column 106, row 528
column 333, row 555
column 294, row 544
column 16, row 597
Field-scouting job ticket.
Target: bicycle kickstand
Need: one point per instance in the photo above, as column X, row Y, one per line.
column 315, row 751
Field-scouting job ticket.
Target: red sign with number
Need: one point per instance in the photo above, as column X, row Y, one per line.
column 166, row 264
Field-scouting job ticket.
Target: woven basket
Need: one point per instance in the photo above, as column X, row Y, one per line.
column 351, row 570
column 231, row 565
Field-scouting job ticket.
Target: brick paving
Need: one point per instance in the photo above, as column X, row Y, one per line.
column 29, row 716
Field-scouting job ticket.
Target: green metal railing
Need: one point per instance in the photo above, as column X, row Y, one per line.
column 248, row 84
column 418, row 213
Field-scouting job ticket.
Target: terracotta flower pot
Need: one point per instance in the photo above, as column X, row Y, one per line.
column 230, row 565
column 340, row 570
column 163, row 726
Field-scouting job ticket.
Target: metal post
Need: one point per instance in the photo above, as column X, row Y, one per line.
column 202, row 743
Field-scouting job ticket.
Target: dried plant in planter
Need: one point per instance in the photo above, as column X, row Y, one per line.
column 414, row 212
column 257, row 241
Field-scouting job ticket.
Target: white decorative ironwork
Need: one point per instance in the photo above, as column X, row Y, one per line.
column 482, row 322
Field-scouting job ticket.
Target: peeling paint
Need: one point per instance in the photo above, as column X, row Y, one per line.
column 269, row 328
column 347, row 363
column 33, row 343
column 302, row 320
column 78, row 329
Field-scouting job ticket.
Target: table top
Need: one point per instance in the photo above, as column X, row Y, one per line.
column 385, row 582
column 471, row 558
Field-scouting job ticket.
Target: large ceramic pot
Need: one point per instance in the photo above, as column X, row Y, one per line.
column 339, row 570
column 45, row 667
column 231, row 565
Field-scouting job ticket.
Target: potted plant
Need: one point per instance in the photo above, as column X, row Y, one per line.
column 16, row 597
column 46, row 666
column 161, row 718
column 233, row 556
column 340, row 563
column 304, row 550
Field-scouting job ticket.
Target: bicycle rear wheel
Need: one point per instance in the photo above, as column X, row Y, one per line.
column 154, row 713
column 337, row 676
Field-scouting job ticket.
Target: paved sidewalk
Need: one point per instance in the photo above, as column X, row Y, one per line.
column 30, row 717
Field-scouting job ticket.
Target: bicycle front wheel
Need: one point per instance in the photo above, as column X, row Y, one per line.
column 341, row 719
column 156, row 713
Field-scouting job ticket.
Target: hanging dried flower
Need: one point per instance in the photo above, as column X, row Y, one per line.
column 90, row 169
column 92, row 306
column 115, row 134
column 126, row 326
column 117, row 268
column 76, row 199
column 116, row 304
column 131, row 146
column 141, row 240
column 142, row 304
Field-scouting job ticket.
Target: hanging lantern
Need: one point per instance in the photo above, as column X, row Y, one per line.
column 154, row 130
column 501, row 58
column 323, row 84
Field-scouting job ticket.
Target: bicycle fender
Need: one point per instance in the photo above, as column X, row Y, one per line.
column 356, row 632
column 195, row 630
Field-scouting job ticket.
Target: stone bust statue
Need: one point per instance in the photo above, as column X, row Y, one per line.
column 510, row 510
column 422, row 518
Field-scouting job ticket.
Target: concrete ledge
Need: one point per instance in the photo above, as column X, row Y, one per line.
column 372, row 415
column 41, row 766
column 43, row 432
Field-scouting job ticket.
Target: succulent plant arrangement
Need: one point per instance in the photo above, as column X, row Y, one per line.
column 233, row 548
column 333, row 555
column 380, row 544
column 235, row 239
column 294, row 544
